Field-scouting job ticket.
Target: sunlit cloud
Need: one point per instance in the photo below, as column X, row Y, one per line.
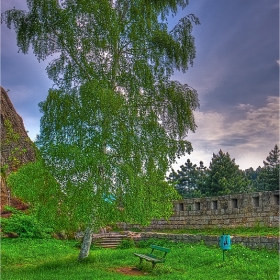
column 245, row 139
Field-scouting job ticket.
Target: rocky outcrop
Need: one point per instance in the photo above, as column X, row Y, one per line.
column 16, row 147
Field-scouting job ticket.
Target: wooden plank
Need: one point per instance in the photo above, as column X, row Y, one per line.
column 142, row 256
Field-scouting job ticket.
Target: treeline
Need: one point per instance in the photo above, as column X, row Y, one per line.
column 223, row 176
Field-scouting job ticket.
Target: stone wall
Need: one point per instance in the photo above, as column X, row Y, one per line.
column 254, row 242
column 239, row 210
column 252, row 209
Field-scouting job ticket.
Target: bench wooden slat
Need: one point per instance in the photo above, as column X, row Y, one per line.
column 152, row 258
column 148, row 258
column 167, row 250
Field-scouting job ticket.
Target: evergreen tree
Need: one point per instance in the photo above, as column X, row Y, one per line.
column 201, row 178
column 224, row 176
column 187, row 179
column 252, row 176
column 116, row 121
column 268, row 177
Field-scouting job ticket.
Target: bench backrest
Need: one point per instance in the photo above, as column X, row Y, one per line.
column 155, row 247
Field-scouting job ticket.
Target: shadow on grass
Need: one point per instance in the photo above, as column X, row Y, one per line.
column 90, row 268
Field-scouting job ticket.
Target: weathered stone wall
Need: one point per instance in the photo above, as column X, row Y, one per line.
column 261, row 208
column 254, row 242
column 239, row 210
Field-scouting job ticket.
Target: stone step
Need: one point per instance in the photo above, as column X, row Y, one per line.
column 109, row 241
column 110, row 246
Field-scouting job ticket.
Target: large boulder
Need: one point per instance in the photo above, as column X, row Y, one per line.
column 16, row 147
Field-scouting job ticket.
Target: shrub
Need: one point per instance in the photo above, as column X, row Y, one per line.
column 25, row 226
column 127, row 243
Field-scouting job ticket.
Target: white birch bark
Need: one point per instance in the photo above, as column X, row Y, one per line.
column 84, row 252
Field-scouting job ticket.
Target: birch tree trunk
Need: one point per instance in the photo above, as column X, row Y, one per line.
column 86, row 244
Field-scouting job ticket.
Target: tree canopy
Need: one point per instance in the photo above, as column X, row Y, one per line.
column 188, row 179
column 224, row 176
column 115, row 120
column 221, row 178
column 268, row 176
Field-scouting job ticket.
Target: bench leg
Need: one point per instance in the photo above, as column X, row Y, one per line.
column 140, row 260
column 153, row 264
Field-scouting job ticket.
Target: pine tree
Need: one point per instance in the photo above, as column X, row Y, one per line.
column 224, row 176
column 268, row 177
column 201, row 178
column 188, row 179
column 252, row 176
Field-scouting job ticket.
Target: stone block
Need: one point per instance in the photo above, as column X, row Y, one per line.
column 264, row 239
column 235, row 210
column 226, row 221
column 274, row 219
column 266, row 209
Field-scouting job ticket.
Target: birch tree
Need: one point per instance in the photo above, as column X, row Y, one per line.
column 115, row 120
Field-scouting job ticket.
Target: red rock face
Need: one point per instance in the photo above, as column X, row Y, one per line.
column 16, row 148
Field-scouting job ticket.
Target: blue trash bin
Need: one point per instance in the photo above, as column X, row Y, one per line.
column 225, row 243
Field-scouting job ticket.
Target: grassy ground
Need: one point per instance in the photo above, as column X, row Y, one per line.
column 54, row 259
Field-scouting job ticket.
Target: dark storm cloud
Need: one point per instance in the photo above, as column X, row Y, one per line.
column 232, row 142
column 236, row 74
column 237, row 51
column 247, row 51
column 24, row 78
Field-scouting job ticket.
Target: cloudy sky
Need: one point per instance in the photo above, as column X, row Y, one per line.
column 236, row 74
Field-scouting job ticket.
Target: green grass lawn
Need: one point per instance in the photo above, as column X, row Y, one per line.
column 55, row 259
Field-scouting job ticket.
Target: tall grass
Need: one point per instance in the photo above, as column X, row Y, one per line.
column 54, row 259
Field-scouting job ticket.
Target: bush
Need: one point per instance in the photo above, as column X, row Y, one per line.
column 127, row 243
column 25, row 226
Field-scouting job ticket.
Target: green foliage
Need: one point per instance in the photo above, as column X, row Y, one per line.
column 11, row 209
column 116, row 121
column 34, row 184
column 25, row 226
column 4, row 169
column 252, row 176
column 268, row 176
column 188, row 179
column 12, row 144
column 224, row 176
column 53, row 259
column 127, row 243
